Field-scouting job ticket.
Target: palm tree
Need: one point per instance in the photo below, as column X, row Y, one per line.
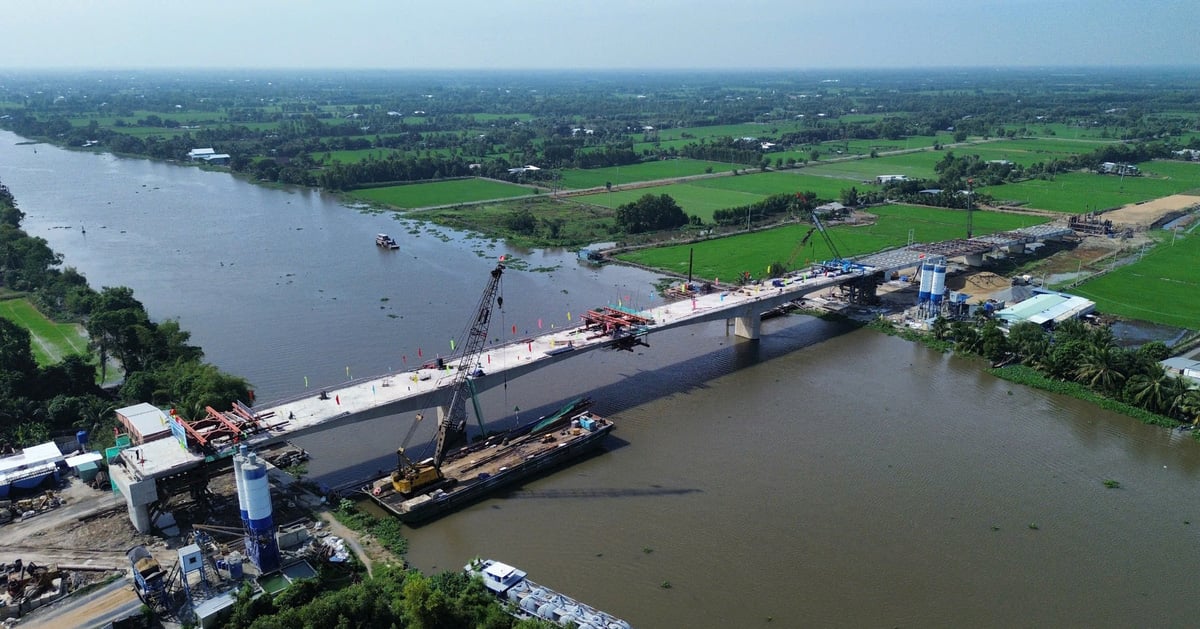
column 1190, row 406
column 1100, row 368
column 1177, row 401
column 1150, row 390
column 1030, row 341
column 940, row 327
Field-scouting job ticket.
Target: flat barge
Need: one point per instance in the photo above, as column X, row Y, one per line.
column 530, row 600
column 498, row 461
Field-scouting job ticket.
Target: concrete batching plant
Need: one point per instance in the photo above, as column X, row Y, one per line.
column 254, row 503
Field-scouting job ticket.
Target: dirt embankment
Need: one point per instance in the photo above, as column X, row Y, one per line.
column 1148, row 213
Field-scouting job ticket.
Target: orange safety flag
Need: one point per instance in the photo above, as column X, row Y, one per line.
column 514, row 328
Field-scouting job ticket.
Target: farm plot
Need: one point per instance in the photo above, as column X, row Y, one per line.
column 785, row 182
column 419, row 195
column 1162, row 287
column 645, row 171
column 695, row 200
column 1079, row 193
column 730, row 256
column 913, row 165
column 51, row 341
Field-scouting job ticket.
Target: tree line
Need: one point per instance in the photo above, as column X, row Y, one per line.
column 157, row 362
column 392, row 597
column 1074, row 352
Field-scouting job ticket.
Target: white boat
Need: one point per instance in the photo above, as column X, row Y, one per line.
column 530, row 600
column 386, row 241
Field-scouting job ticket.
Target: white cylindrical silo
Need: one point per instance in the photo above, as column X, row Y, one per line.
column 240, row 480
column 938, row 290
column 258, row 494
column 926, row 282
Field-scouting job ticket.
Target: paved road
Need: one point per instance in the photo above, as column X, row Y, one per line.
column 92, row 609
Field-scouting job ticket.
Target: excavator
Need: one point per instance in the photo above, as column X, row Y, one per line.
column 412, row 478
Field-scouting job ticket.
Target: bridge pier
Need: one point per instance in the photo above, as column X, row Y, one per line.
column 747, row 326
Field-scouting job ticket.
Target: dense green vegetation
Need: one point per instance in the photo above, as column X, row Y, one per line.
column 391, row 598
column 591, row 130
column 1076, row 354
column 38, row 401
column 1074, row 359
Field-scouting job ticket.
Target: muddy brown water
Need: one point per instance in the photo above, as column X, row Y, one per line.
column 823, row 476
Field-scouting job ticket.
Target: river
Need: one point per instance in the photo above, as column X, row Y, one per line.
column 823, row 476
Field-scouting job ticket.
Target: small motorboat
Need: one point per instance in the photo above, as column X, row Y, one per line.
column 386, row 241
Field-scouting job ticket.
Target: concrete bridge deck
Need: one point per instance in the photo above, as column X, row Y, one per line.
column 422, row 388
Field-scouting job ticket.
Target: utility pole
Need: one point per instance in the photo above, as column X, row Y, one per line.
column 970, row 191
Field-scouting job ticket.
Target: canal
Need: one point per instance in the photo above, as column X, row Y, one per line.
column 823, row 476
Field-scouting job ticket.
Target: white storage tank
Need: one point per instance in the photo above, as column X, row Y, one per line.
column 926, row 283
column 938, row 290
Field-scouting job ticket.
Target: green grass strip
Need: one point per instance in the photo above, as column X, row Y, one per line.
column 51, row 341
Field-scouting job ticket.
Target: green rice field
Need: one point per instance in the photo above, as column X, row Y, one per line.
column 349, row 157
column 1079, row 193
column 51, row 341
column 645, row 171
column 1162, row 287
column 728, row 257
column 785, row 182
column 702, row 197
column 919, row 164
column 696, row 200
column 420, row 195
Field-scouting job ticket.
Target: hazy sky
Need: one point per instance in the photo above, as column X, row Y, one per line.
column 521, row 34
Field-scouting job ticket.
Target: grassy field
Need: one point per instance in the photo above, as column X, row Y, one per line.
column 51, row 341
column 349, row 157
column 580, row 223
column 728, row 257
column 1086, row 192
column 1162, row 287
column 695, row 199
column 785, row 182
column 1186, row 172
column 743, row 130
column 419, row 195
column 1061, row 130
column 646, row 171
column 912, row 164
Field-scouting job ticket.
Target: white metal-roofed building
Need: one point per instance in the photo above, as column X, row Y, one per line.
column 1185, row 367
column 1046, row 309
column 144, row 422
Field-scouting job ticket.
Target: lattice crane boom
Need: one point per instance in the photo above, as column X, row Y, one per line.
column 452, row 425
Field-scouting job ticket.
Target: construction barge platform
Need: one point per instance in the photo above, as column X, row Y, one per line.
column 500, row 460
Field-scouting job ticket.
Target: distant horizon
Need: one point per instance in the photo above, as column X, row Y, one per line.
column 614, row 69
column 590, row 35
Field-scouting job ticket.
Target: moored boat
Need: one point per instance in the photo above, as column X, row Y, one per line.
column 530, row 600
column 386, row 241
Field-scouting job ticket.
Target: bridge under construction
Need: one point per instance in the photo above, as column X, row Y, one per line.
column 611, row 327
